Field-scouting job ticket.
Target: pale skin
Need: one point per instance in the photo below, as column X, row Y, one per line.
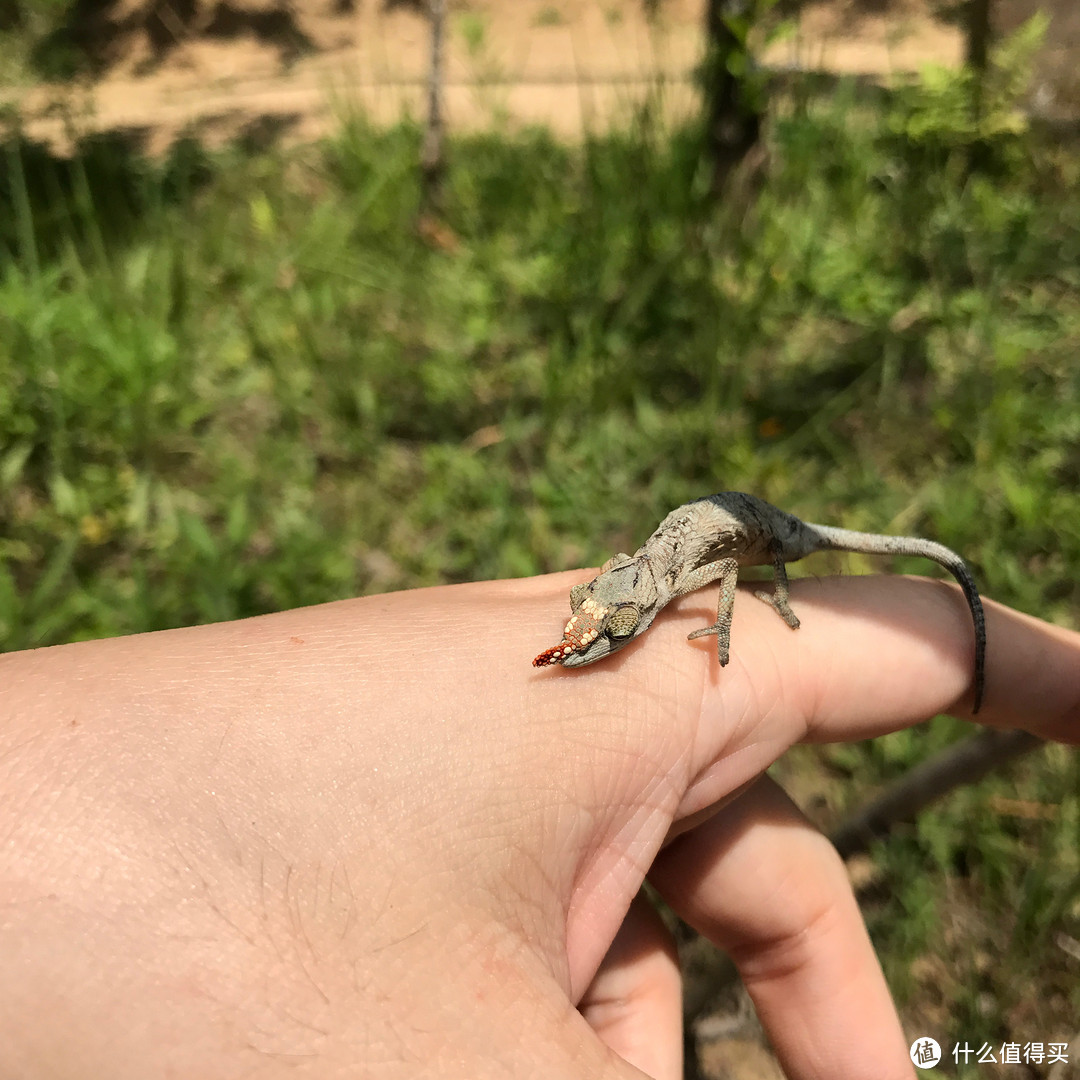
column 367, row 839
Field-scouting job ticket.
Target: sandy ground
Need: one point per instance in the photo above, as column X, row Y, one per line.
column 572, row 66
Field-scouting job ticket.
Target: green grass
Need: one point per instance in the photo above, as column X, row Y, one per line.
column 237, row 383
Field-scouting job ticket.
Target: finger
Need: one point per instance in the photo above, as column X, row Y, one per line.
column 765, row 886
column 875, row 652
column 634, row 1003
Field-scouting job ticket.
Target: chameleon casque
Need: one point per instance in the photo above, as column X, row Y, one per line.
column 708, row 540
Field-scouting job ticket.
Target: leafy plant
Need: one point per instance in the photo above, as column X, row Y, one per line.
column 949, row 111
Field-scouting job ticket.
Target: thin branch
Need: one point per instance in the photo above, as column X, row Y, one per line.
column 964, row 763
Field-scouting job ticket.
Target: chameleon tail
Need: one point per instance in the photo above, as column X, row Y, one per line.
column 830, row 538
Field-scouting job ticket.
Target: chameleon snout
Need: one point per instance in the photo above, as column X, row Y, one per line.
column 579, row 633
column 594, row 631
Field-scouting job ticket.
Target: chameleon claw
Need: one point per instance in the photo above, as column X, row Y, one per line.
column 721, row 645
column 781, row 607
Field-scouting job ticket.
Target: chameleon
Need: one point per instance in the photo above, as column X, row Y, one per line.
column 708, row 540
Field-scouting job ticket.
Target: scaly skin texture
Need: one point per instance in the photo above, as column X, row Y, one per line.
column 708, row 540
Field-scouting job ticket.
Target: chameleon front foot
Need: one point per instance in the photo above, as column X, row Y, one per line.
column 723, row 640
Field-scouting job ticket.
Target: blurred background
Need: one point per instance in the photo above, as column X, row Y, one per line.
column 303, row 301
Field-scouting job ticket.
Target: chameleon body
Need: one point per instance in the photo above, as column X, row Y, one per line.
column 708, row 540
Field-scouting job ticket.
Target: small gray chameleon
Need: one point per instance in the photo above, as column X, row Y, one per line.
column 708, row 540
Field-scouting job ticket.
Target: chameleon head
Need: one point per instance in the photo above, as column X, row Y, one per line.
column 594, row 631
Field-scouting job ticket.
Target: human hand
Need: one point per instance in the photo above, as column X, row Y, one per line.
column 368, row 838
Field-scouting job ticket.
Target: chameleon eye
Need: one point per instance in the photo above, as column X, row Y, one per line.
column 623, row 622
column 577, row 594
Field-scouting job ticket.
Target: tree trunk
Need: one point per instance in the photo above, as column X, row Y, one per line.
column 979, row 34
column 432, row 160
column 733, row 123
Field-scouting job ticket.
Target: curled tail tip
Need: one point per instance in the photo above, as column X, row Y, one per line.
column 980, row 687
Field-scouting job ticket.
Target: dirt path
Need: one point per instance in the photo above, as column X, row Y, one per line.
column 569, row 65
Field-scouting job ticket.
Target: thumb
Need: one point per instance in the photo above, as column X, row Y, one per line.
column 540, row 1034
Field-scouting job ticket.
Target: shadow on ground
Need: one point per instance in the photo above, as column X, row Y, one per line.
column 95, row 34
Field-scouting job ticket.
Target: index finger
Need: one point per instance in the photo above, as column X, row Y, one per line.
column 874, row 654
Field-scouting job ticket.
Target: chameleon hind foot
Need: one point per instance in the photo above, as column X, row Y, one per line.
column 778, row 598
column 780, row 605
